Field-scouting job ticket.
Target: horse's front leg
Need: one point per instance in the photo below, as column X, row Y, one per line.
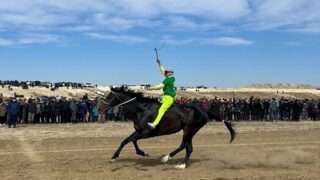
column 132, row 137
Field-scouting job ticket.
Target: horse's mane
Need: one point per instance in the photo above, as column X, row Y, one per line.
column 139, row 95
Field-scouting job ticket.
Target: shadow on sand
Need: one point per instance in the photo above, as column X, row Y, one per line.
column 143, row 164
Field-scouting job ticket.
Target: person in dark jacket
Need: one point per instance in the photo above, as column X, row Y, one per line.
column 48, row 108
column 53, row 111
column 13, row 112
column 296, row 109
column 43, row 112
column 32, row 110
column 73, row 110
column 273, row 110
column 82, row 110
column 57, row 111
column 65, row 111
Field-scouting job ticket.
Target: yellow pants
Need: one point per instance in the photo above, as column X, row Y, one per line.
column 167, row 101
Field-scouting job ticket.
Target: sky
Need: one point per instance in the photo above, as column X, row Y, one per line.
column 215, row 43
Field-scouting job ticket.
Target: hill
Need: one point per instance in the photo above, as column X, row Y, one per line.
column 260, row 90
column 280, row 86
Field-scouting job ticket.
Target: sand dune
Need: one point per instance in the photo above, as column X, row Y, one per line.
column 261, row 90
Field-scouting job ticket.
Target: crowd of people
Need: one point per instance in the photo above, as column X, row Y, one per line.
column 48, row 110
column 256, row 109
column 62, row 110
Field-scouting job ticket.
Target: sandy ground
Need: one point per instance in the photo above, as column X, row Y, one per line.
column 261, row 151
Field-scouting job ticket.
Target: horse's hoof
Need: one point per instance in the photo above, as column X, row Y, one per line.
column 113, row 160
column 143, row 154
column 166, row 159
column 181, row 166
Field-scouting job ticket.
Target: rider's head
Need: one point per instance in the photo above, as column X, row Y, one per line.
column 168, row 72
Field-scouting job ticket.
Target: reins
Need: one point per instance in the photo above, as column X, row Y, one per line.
column 126, row 102
column 123, row 103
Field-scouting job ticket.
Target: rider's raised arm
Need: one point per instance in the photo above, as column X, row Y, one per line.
column 162, row 70
column 157, row 87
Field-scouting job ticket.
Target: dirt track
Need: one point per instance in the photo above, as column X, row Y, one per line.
column 83, row 151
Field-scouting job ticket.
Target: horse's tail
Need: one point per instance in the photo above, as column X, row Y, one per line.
column 231, row 129
column 218, row 117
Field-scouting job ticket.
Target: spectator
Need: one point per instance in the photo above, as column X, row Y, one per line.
column 3, row 113
column 32, row 109
column 109, row 115
column 54, row 111
column 82, row 111
column 95, row 114
column 37, row 117
column 304, row 114
column 49, row 109
column 237, row 111
column 43, row 112
column 296, row 109
column 73, row 110
column 266, row 107
column 13, row 112
column 24, row 111
column 205, row 104
column 57, row 110
column 102, row 107
column 115, row 112
column 65, row 111
column 273, row 110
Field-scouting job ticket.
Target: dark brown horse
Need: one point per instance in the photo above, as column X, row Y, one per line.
column 189, row 118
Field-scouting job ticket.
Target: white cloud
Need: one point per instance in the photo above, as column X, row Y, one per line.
column 31, row 39
column 38, row 39
column 219, row 41
column 286, row 15
column 113, row 13
column 157, row 16
column 219, row 9
column 307, row 28
column 118, row 38
column 120, row 23
column 228, row 41
column 5, row 42
column 181, row 23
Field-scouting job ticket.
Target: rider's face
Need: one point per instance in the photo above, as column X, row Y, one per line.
column 168, row 74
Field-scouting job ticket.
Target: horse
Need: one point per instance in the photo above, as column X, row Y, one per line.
column 141, row 109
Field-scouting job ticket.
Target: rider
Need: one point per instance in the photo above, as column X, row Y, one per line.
column 169, row 93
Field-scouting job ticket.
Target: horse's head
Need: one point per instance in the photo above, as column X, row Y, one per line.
column 116, row 96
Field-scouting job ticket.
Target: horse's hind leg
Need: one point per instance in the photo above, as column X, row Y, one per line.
column 173, row 153
column 189, row 150
column 138, row 150
column 132, row 137
column 189, row 147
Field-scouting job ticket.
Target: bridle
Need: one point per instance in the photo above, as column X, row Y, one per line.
column 123, row 103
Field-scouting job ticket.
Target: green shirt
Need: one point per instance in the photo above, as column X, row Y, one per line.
column 169, row 86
